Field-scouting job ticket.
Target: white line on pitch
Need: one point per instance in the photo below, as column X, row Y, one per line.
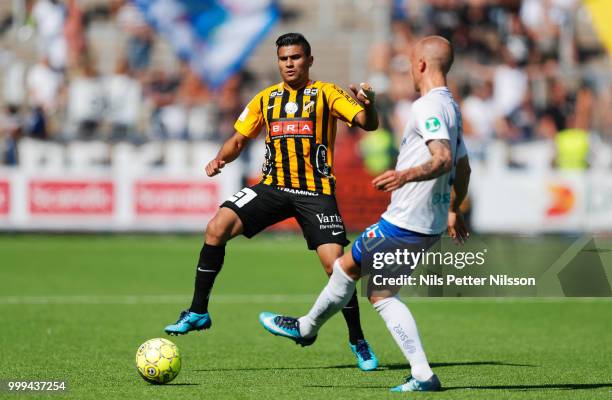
column 152, row 299
column 263, row 299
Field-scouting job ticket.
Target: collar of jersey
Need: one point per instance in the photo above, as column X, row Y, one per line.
column 284, row 86
column 439, row 88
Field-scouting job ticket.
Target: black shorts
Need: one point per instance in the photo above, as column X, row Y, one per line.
column 261, row 206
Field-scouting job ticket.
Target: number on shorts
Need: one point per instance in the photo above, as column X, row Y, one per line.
column 242, row 197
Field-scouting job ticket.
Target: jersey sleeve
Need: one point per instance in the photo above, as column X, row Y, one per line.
column 341, row 104
column 251, row 119
column 430, row 121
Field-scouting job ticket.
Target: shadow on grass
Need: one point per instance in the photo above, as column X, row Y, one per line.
column 563, row 386
column 176, row 384
column 452, row 364
column 384, row 367
column 560, row 386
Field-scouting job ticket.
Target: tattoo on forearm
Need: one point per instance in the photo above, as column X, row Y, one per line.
column 438, row 145
column 428, row 167
column 440, row 149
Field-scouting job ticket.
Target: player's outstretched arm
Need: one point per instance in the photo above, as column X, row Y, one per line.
column 461, row 183
column 439, row 164
column 456, row 226
column 368, row 118
column 230, row 150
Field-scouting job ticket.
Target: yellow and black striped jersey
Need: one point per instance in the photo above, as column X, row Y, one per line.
column 301, row 130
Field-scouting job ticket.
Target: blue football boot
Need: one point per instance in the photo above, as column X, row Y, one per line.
column 412, row 385
column 366, row 360
column 288, row 327
column 189, row 321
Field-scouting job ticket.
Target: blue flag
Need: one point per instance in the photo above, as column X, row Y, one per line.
column 214, row 36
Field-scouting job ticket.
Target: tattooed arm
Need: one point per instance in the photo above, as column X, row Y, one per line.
column 439, row 164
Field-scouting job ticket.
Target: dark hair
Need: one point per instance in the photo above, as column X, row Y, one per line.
column 290, row 39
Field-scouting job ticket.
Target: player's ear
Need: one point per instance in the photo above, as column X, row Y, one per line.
column 310, row 61
column 422, row 65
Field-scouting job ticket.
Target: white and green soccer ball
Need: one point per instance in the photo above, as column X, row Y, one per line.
column 158, row 361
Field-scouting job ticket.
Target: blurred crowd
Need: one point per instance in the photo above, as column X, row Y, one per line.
column 63, row 95
column 523, row 72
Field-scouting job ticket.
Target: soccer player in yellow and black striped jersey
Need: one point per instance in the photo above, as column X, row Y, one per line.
column 301, row 130
column 299, row 117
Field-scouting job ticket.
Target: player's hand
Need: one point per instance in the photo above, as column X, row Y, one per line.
column 214, row 167
column 456, row 227
column 389, row 181
column 365, row 94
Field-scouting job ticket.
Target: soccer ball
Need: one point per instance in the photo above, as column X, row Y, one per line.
column 158, row 361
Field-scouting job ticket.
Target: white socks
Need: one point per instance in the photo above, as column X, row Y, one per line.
column 334, row 296
column 394, row 312
column 403, row 328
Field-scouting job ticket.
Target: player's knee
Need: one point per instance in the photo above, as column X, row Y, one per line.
column 353, row 270
column 375, row 299
column 349, row 266
column 328, row 254
column 379, row 295
column 328, row 266
column 217, row 232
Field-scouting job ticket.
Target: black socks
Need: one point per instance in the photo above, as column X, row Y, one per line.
column 351, row 315
column 209, row 265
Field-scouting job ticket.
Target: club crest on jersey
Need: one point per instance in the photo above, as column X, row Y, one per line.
column 432, row 124
column 291, row 107
column 309, row 107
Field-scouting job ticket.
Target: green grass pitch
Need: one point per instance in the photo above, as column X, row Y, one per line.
column 77, row 307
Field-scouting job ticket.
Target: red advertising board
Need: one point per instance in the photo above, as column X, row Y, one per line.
column 178, row 198
column 74, row 197
column 5, row 199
